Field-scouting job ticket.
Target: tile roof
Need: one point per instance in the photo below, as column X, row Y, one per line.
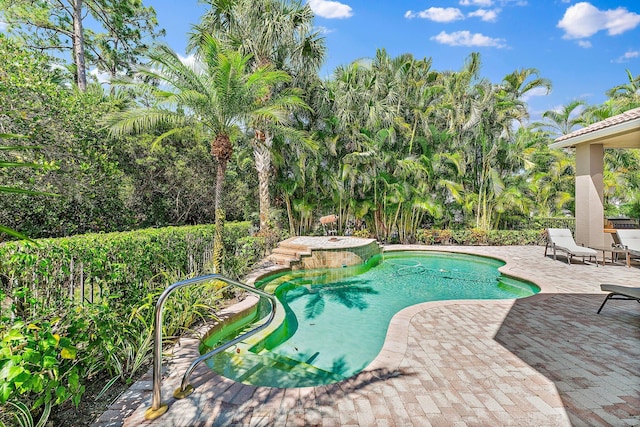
column 627, row 116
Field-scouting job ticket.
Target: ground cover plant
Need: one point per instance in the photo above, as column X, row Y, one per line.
column 79, row 310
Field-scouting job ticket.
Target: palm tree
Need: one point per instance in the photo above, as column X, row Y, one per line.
column 627, row 94
column 548, row 177
column 480, row 117
column 214, row 98
column 351, row 94
column 564, row 121
column 276, row 33
column 518, row 83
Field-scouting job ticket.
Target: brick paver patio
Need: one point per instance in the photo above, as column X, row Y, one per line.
column 545, row 360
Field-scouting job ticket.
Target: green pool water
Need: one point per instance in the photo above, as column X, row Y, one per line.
column 337, row 319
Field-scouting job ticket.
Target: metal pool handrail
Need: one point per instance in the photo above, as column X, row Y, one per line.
column 157, row 407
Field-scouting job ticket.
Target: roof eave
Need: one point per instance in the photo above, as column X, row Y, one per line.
column 599, row 135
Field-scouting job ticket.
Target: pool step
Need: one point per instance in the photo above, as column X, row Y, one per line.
column 268, row 368
column 287, row 253
column 283, row 250
column 284, row 371
column 284, row 260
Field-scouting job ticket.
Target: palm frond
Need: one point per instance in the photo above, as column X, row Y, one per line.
column 12, row 136
column 14, row 233
column 141, row 120
column 4, row 164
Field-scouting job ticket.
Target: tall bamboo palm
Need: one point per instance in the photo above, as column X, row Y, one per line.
column 480, row 116
column 213, row 98
column 277, row 33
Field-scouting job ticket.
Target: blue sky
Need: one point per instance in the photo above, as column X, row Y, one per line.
column 582, row 47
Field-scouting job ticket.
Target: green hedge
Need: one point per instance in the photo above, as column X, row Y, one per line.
column 535, row 223
column 51, row 345
column 482, row 237
column 117, row 265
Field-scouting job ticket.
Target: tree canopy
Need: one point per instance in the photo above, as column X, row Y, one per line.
column 390, row 144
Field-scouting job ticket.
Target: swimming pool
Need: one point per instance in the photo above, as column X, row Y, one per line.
column 337, row 319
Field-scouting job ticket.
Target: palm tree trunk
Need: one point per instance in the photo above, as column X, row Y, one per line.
column 394, row 224
column 287, row 201
column 262, row 156
column 220, row 216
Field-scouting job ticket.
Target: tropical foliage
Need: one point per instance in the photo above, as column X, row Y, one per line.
column 389, row 144
column 214, row 97
column 118, row 37
column 247, row 131
column 273, row 33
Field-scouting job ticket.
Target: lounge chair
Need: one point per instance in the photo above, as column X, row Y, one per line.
column 561, row 239
column 630, row 240
column 619, row 292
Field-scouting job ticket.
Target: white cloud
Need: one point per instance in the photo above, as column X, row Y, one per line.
column 189, row 61
column 3, row 27
column 437, row 14
column 585, row 44
column 192, row 62
column 487, row 3
column 451, row 14
column 537, row 91
column 476, row 2
column 584, row 20
column 324, row 30
column 628, row 55
column 100, row 76
column 330, row 9
column 486, row 15
column 465, row 38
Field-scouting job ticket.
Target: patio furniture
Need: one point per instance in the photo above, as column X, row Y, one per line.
column 619, row 292
column 613, row 250
column 561, row 239
column 630, row 241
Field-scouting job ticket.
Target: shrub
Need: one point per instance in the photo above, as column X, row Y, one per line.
column 46, row 363
column 40, row 362
column 427, row 236
column 364, row 233
column 515, row 237
column 482, row 237
column 248, row 250
column 117, row 266
column 435, row 236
